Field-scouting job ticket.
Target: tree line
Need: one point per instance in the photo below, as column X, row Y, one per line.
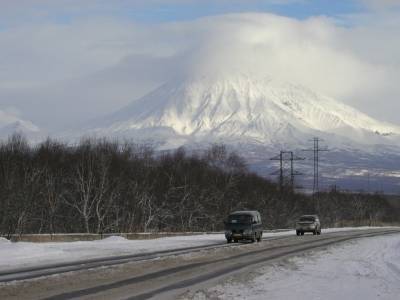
column 103, row 186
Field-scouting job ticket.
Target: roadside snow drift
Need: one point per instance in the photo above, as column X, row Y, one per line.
column 363, row 269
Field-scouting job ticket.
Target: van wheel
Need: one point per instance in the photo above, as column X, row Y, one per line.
column 297, row 232
column 315, row 232
column 235, row 241
column 229, row 241
column 253, row 239
column 302, row 233
column 259, row 238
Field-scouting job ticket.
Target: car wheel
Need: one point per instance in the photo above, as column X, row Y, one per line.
column 315, row 232
column 235, row 241
column 297, row 232
column 302, row 233
column 229, row 241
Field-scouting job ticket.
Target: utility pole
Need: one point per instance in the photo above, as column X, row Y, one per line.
column 283, row 157
column 292, row 171
column 280, row 158
column 316, row 150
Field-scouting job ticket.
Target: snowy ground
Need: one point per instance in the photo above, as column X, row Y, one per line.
column 363, row 269
column 25, row 254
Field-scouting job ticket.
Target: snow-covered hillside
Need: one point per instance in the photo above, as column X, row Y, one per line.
column 243, row 108
column 10, row 124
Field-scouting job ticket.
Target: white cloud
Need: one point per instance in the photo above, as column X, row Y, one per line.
column 64, row 73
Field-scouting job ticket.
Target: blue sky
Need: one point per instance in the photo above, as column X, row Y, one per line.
column 162, row 12
column 17, row 13
column 158, row 11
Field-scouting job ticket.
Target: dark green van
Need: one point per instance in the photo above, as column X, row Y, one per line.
column 243, row 225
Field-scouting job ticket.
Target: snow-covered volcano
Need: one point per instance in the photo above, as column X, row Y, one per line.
column 241, row 108
column 258, row 117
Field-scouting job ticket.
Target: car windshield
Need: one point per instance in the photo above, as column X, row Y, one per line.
column 307, row 219
column 243, row 219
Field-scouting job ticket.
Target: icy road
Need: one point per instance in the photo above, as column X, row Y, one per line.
column 345, row 263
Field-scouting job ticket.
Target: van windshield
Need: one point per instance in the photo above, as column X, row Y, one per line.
column 240, row 219
column 307, row 219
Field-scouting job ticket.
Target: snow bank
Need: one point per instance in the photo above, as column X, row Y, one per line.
column 27, row 254
column 363, row 269
column 4, row 241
